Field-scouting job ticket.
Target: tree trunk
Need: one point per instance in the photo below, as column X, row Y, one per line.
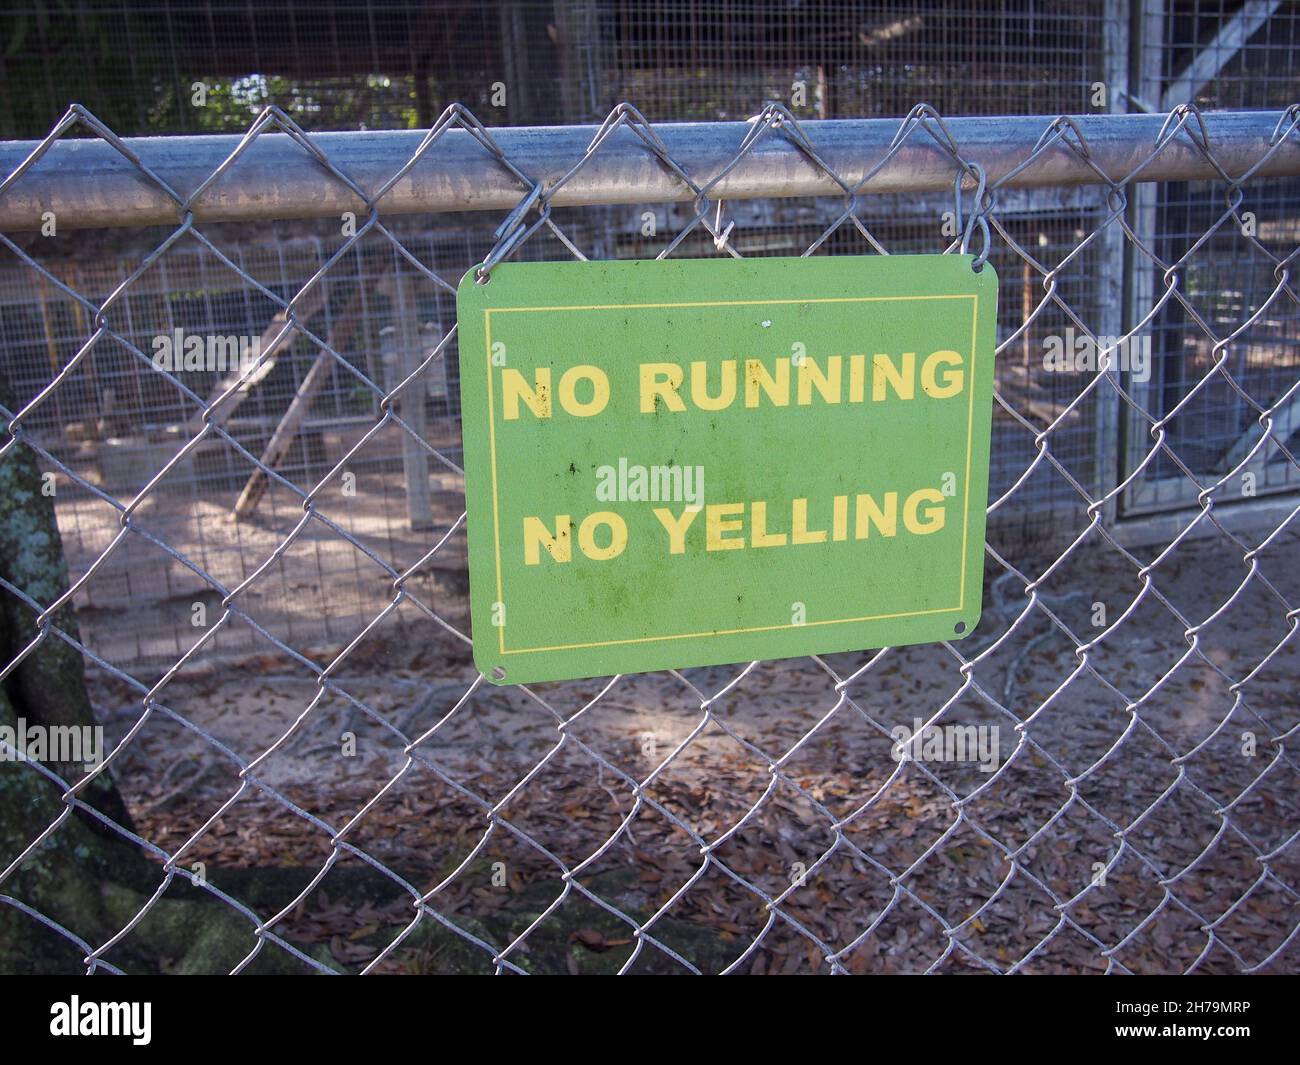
column 86, row 876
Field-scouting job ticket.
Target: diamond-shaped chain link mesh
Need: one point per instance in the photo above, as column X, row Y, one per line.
column 1137, row 808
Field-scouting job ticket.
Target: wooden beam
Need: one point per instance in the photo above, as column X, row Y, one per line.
column 306, row 309
column 1216, row 55
column 1286, row 420
column 293, row 418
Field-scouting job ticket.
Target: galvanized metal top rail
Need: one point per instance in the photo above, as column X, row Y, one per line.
column 89, row 182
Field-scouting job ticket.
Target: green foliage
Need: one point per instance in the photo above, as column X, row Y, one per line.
column 59, row 52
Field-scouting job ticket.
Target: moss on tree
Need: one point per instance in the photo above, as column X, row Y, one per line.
column 88, row 877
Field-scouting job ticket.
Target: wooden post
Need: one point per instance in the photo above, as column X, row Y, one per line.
column 514, row 57
column 577, row 38
column 1144, row 210
column 1112, row 256
column 410, row 404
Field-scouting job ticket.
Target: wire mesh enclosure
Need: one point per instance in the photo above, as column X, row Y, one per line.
column 382, row 64
column 212, row 65
column 1098, row 780
column 298, row 767
column 385, row 64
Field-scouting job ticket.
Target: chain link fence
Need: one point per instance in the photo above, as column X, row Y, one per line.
column 1098, row 780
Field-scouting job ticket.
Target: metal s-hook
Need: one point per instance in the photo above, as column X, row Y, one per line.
column 978, row 217
column 511, row 230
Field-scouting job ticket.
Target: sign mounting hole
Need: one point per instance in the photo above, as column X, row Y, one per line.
column 959, row 628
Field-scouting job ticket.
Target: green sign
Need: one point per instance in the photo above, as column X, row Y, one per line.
column 692, row 462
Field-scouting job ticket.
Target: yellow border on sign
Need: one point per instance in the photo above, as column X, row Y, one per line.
column 492, row 448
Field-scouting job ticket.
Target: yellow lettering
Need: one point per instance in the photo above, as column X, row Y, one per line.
column 760, row 536
column 676, row 527
column 515, row 387
column 952, row 381
column 828, row 383
column 661, row 380
column 840, row 518
column 799, row 533
column 884, row 373
column 934, row 516
column 617, row 535
column 777, row 388
column 716, row 526
column 599, row 390
column 857, row 378
column 700, row 386
column 559, row 546
column 868, row 513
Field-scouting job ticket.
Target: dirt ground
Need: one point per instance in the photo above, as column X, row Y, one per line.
column 185, row 547
column 1141, row 816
